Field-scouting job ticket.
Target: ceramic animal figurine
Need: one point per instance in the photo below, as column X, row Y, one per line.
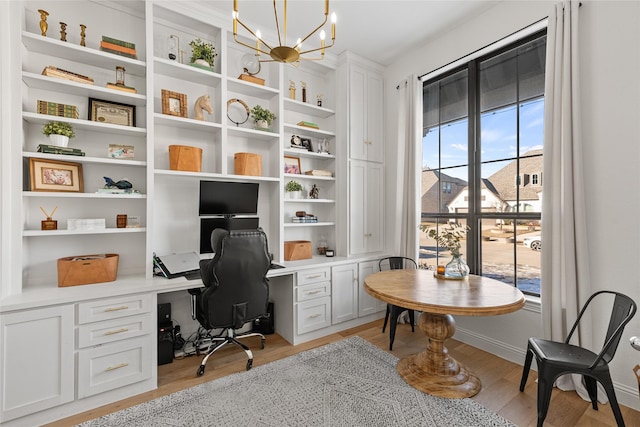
column 203, row 103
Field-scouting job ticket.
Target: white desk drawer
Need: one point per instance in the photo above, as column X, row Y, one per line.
column 314, row 276
column 113, row 308
column 114, row 330
column 313, row 314
column 315, row 290
column 114, row 365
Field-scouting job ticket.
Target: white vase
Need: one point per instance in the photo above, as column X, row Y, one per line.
column 295, row 194
column 262, row 124
column 59, row 140
column 202, row 62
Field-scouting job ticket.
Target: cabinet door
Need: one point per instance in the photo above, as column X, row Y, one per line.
column 357, row 113
column 344, row 293
column 37, row 360
column 375, row 118
column 374, row 207
column 366, row 303
column 357, row 207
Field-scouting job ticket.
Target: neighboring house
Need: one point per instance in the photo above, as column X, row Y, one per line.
column 489, row 198
column 507, row 182
column 438, row 190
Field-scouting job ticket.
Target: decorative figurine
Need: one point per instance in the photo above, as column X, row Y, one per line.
column 313, row 194
column 82, row 34
column 122, row 184
column 319, row 99
column 120, row 75
column 173, row 47
column 202, row 103
column 304, row 91
column 63, row 31
column 43, row 22
column 49, row 223
column 292, row 89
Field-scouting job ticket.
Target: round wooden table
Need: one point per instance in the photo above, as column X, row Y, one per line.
column 433, row 371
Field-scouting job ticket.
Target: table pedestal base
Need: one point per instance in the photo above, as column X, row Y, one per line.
column 433, row 371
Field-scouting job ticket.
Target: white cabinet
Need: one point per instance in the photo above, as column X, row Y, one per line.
column 37, row 360
column 313, row 300
column 365, row 98
column 344, row 293
column 366, row 195
column 366, row 303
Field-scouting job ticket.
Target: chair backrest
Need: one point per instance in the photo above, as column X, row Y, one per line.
column 396, row 263
column 622, row 311
column 235, row 278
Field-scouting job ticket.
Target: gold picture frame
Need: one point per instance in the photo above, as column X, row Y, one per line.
column 292, row 165
column 111, row 112
column 174, row 104
column 54, row 175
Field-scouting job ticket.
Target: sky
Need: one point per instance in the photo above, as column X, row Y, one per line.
column 498, row 139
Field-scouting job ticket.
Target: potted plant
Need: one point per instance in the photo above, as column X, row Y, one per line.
column 59, row 133
column 202, row 53
column 293, row 190
column 262, row 117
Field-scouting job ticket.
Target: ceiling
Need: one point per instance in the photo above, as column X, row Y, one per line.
column 375, row 29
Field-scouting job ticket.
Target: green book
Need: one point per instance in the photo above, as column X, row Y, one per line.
column 119, row 42
column 54, row 149
column 117, row 52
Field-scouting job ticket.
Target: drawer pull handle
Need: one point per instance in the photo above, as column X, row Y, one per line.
column 314, row 316
column 317, row 291
column 122, row 307
column 113, row 368
column 315, row 276
column 118, row 331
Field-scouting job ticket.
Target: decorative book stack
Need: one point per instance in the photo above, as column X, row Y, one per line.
column 118, row 47
column 305, row 219
column 121, row 87
column 308, row 124
column 54, row 149
column 52, row 71
column 55, row 109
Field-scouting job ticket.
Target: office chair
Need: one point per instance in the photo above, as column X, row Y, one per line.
column 558, row 358
column 394, row 311
column 236, row 290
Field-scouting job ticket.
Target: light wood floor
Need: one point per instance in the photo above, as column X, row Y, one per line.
column 500, row 379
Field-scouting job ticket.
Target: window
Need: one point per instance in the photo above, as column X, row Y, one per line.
column 482, row 133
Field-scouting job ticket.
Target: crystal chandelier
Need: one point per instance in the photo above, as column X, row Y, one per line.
column 282, row 52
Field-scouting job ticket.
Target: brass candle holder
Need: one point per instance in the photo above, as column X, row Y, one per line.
column 83, row 34
column 63, row 31
column 43, row 22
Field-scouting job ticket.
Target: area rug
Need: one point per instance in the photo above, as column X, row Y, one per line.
column 346, row 383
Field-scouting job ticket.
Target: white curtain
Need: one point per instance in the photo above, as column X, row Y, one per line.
column 565, row 270
column 407, row 167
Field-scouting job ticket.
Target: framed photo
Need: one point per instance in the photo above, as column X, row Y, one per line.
column 291, row 164
column 174, row 104
column 112, row 112
column 119, row 151
column 53, row 175
column 306, row 143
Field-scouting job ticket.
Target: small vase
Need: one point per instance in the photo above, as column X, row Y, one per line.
column 202, row 62
column 456, row 268
column 262, row 124
column 295, row 194
column 59, row 140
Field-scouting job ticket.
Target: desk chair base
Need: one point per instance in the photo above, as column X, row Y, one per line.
column 231, row 338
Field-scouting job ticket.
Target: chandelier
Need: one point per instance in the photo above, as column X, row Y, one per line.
column 282, row 52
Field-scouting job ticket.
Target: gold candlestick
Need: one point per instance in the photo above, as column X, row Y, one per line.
column 43, row 22
column 82, row 34
column 63, row 31
column 292, row 89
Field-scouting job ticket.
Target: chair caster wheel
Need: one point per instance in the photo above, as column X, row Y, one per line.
column 262, row 341
column 249, row 364
column 201, row 371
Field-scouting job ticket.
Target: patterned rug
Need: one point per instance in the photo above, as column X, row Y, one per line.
column 346, row 383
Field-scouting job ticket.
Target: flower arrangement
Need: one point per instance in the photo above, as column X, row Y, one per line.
column 258, row 113
column 448, row 237
column 58, row 128
column 293, row 186
column 202, row 50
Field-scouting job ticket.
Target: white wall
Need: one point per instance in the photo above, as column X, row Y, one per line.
column 610, row 88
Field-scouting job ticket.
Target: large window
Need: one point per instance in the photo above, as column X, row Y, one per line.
column 482, row 142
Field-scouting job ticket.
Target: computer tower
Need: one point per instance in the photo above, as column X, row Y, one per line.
column 266, row 324
column 164, row 313
column 165, row 343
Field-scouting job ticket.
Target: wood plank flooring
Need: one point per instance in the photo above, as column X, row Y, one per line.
column 500, row 379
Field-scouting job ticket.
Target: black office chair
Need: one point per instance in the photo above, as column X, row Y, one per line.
column 558, row 358
column 236, row 289
column 394, row 311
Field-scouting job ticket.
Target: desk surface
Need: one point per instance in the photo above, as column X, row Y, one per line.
column 420, row 290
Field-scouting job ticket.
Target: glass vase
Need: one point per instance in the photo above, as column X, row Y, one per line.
column 456, row 268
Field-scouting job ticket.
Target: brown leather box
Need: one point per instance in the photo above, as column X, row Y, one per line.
column 247, row 164
column 86, row 269
column 297, row 249
column 185, row 158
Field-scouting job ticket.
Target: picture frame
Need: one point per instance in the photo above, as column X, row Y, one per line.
column 119, row 151
column 55, row 175
column 111, row 112
column 292, row 165
column 306, row 143
column 174, row 104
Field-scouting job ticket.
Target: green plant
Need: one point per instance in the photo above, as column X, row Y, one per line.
column 202, row 50
column 58, row 128
column 258, row 113
column 448, row 237
column 293, row 186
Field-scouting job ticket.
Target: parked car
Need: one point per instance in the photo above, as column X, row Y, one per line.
column 533, row 242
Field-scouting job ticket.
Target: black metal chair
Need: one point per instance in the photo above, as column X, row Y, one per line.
column 558, row 358
column 394, row 311
column 236, row 289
